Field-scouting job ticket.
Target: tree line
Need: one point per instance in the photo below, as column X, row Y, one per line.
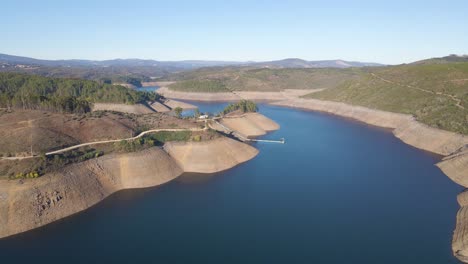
column 243, row 105
column 24, row 91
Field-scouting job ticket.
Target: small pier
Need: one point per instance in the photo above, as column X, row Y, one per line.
column 241, row 137
column 281, row 141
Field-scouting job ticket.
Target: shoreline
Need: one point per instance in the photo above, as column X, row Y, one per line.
column 386, row 120
column 444, row 144
column 412, row 132
column 29, row 204
column 448, row 146
column 452, row 148
column 234, row 96
column 388, row 130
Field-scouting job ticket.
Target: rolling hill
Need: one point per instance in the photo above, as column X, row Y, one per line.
column 135, row 71
column 299, row 63
column 259, row 79
column 435, row 91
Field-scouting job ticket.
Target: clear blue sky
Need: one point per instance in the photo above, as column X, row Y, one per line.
column 390, row 31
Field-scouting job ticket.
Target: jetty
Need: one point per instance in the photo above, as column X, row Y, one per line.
column 241, row 137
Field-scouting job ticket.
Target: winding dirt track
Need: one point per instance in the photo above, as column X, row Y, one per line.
column 452, row 97
column 107, row 141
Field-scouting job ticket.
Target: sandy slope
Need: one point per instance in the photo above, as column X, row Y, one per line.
column 197, row 96
column 174, row 104
column 456, row 166
column 250, row 124
column 234, row 96
column 40, row 201
column 28, row 204
column 405, row 127
column 159, row 107
column 212, row 156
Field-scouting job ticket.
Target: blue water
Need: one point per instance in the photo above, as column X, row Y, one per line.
column 337, row 192
column 205, row 108
column 147, row 88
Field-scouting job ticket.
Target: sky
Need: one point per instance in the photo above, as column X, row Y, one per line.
column 390, row 32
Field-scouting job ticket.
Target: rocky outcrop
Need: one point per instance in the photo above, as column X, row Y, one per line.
column 250, row 124
column 460, row 235
column 28, row 204
column 124, row 108
column 210, row 156
column 456, row 166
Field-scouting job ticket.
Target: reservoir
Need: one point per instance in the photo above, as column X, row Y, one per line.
column 337, row 192
column 147, row 88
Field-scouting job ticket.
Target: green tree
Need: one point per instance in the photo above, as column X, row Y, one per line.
column 178, row 111
column 244, row 106
column 197, row 113
column 63, row 95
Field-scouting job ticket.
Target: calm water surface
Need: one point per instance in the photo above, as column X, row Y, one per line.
column 147, row 88
column 336, row 192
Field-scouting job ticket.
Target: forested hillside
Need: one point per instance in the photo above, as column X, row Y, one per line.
column 62, row 95
column 435, row 93
column 259, row 79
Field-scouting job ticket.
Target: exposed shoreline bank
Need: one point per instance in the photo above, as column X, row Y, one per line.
column 403, row 126
column 450, row 146
column 234, row 96
column 29, row 204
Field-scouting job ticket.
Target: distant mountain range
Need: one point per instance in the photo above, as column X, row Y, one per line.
column 189, row 64
column 180, row 65
column 299, row 63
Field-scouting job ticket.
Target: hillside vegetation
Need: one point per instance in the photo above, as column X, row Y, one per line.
column 207, row 86
column 263, row 79
column 244, row 106
column 31, row 132
column 62, row 95
column 436, row 94
column 447, row 59
column 435, row 91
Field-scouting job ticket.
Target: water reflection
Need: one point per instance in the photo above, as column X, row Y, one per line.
column 191, row 177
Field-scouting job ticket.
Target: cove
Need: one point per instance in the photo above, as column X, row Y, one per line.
column 338, row 191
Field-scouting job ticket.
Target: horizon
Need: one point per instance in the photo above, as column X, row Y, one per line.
column 182, row 60
column 364, row 31
column 306, row 131
column 228, row 61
